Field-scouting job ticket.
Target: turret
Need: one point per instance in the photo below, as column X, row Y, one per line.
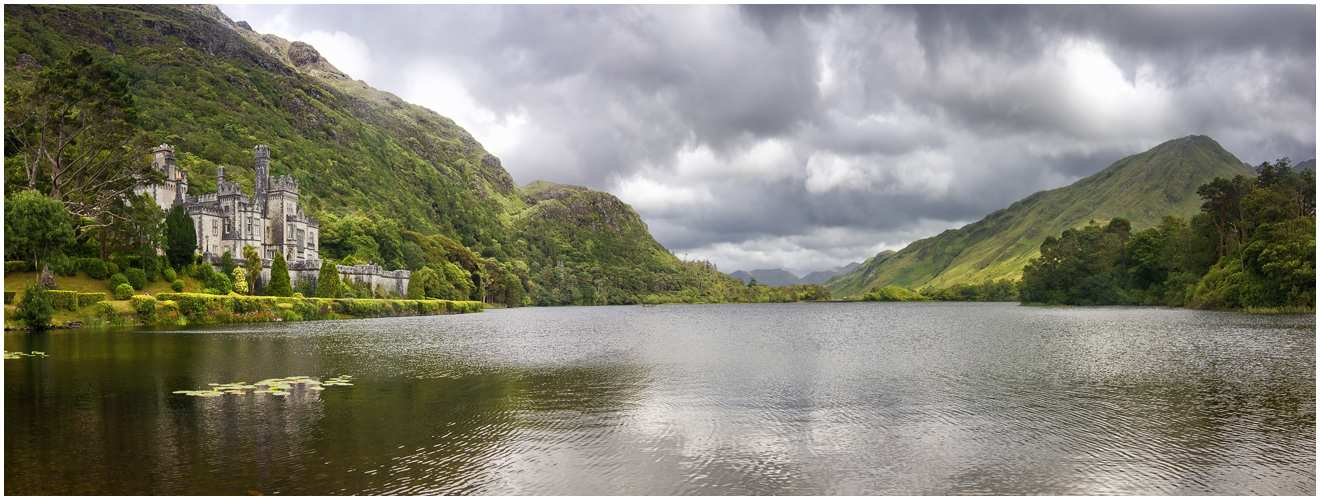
column 164, row 159
column 219, row 175
column 261, row 185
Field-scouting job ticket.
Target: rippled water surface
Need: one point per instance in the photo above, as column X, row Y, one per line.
column 728, row 399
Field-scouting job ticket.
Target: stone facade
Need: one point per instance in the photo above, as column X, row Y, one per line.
column 271, row 220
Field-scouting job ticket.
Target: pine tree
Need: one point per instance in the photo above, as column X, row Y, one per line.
column 279, row 278
column 180, row 238
column 327, row 282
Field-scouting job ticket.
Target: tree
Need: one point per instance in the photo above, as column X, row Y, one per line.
column 37, row 224
column 137, row 224
column 227, row 264
column 180, row 237
column 35, row 310
column 279, row 278
column 252, row 263
column 1221, row 204
column 75, row 126
column 327, row 281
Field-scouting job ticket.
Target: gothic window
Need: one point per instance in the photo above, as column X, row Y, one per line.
column 249, row 229
column 215, row 227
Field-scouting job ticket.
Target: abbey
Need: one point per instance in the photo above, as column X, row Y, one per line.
column 271, row 220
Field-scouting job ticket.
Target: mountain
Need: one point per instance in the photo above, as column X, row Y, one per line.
column 770, row 277
column 1306, row 165
column 1142, row 188
column 780, row 277
column 822, row 277
column 390, row 181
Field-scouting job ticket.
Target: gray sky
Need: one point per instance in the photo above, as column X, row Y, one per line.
column 805, row 138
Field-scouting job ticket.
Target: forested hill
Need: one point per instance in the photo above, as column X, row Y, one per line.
column 1141, row 188
column 390, row 181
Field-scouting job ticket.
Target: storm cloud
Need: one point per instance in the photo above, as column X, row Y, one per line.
column 809, row 137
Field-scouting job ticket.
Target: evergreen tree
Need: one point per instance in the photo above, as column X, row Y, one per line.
column 180, row 237
column 35, row 310
column 327, row 282
column 227, row 264
column 279, row 278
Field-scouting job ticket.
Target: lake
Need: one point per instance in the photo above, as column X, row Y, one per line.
column 840, row 398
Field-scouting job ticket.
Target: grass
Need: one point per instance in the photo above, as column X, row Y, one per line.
column 16, row 282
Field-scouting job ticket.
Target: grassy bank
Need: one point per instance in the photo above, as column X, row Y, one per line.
column 84, row 300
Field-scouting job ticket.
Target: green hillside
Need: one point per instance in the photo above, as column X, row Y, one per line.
column 1142, row 188
column 374, row 169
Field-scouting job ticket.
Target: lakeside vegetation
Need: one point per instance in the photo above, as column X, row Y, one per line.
column 1251, row 247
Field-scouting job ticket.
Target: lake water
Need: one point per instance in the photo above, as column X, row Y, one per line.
column 860, row 398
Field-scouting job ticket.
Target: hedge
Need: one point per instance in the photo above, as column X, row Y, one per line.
column 17, row 266
column 63, row 299
column 85, row 299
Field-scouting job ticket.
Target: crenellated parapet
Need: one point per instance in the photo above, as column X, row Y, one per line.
column 284, row 183
column 197, row 205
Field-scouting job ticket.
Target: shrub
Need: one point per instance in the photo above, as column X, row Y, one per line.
column 219, row 284
column 146, row 308
column 177, row 285
column 105, row 308
column 238, row 280
column 193, row 305
column 169, row 274
column 136, row 277
column 111, row 268
column 35, row 309
column 123, row 291
column 95, row 268
column 63, row 265
column 17, row 266
column 201, row 272
column 9, row 297
column 116, row 280
column 85, row 299
column 63, row 299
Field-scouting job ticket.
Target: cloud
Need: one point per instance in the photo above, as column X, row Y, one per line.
column 808, row 137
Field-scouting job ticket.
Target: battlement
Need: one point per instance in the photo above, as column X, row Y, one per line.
column 228, row 188
column 261, row 152
column 197, row 205
column 284, row 183
column 372, row 270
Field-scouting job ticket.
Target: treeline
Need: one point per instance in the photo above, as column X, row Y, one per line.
column 1252, row 246
column 1001, row 290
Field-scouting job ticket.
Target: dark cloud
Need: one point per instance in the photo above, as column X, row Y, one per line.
column 810, row 136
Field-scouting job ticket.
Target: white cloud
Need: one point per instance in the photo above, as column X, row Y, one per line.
column 437, row 84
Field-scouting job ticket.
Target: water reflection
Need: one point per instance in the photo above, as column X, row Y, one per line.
column 765, row 399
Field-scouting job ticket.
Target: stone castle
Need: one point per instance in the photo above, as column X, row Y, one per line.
column 271, row 220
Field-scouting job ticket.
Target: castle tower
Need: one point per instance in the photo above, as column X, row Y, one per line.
column 171, row 191
column 261, row 185
column 219, row 175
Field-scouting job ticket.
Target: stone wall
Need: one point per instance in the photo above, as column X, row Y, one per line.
column 309, row 270
column 374, row 275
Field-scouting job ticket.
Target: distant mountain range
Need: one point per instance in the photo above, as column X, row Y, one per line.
column 780, row 277
column 1142, row 188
